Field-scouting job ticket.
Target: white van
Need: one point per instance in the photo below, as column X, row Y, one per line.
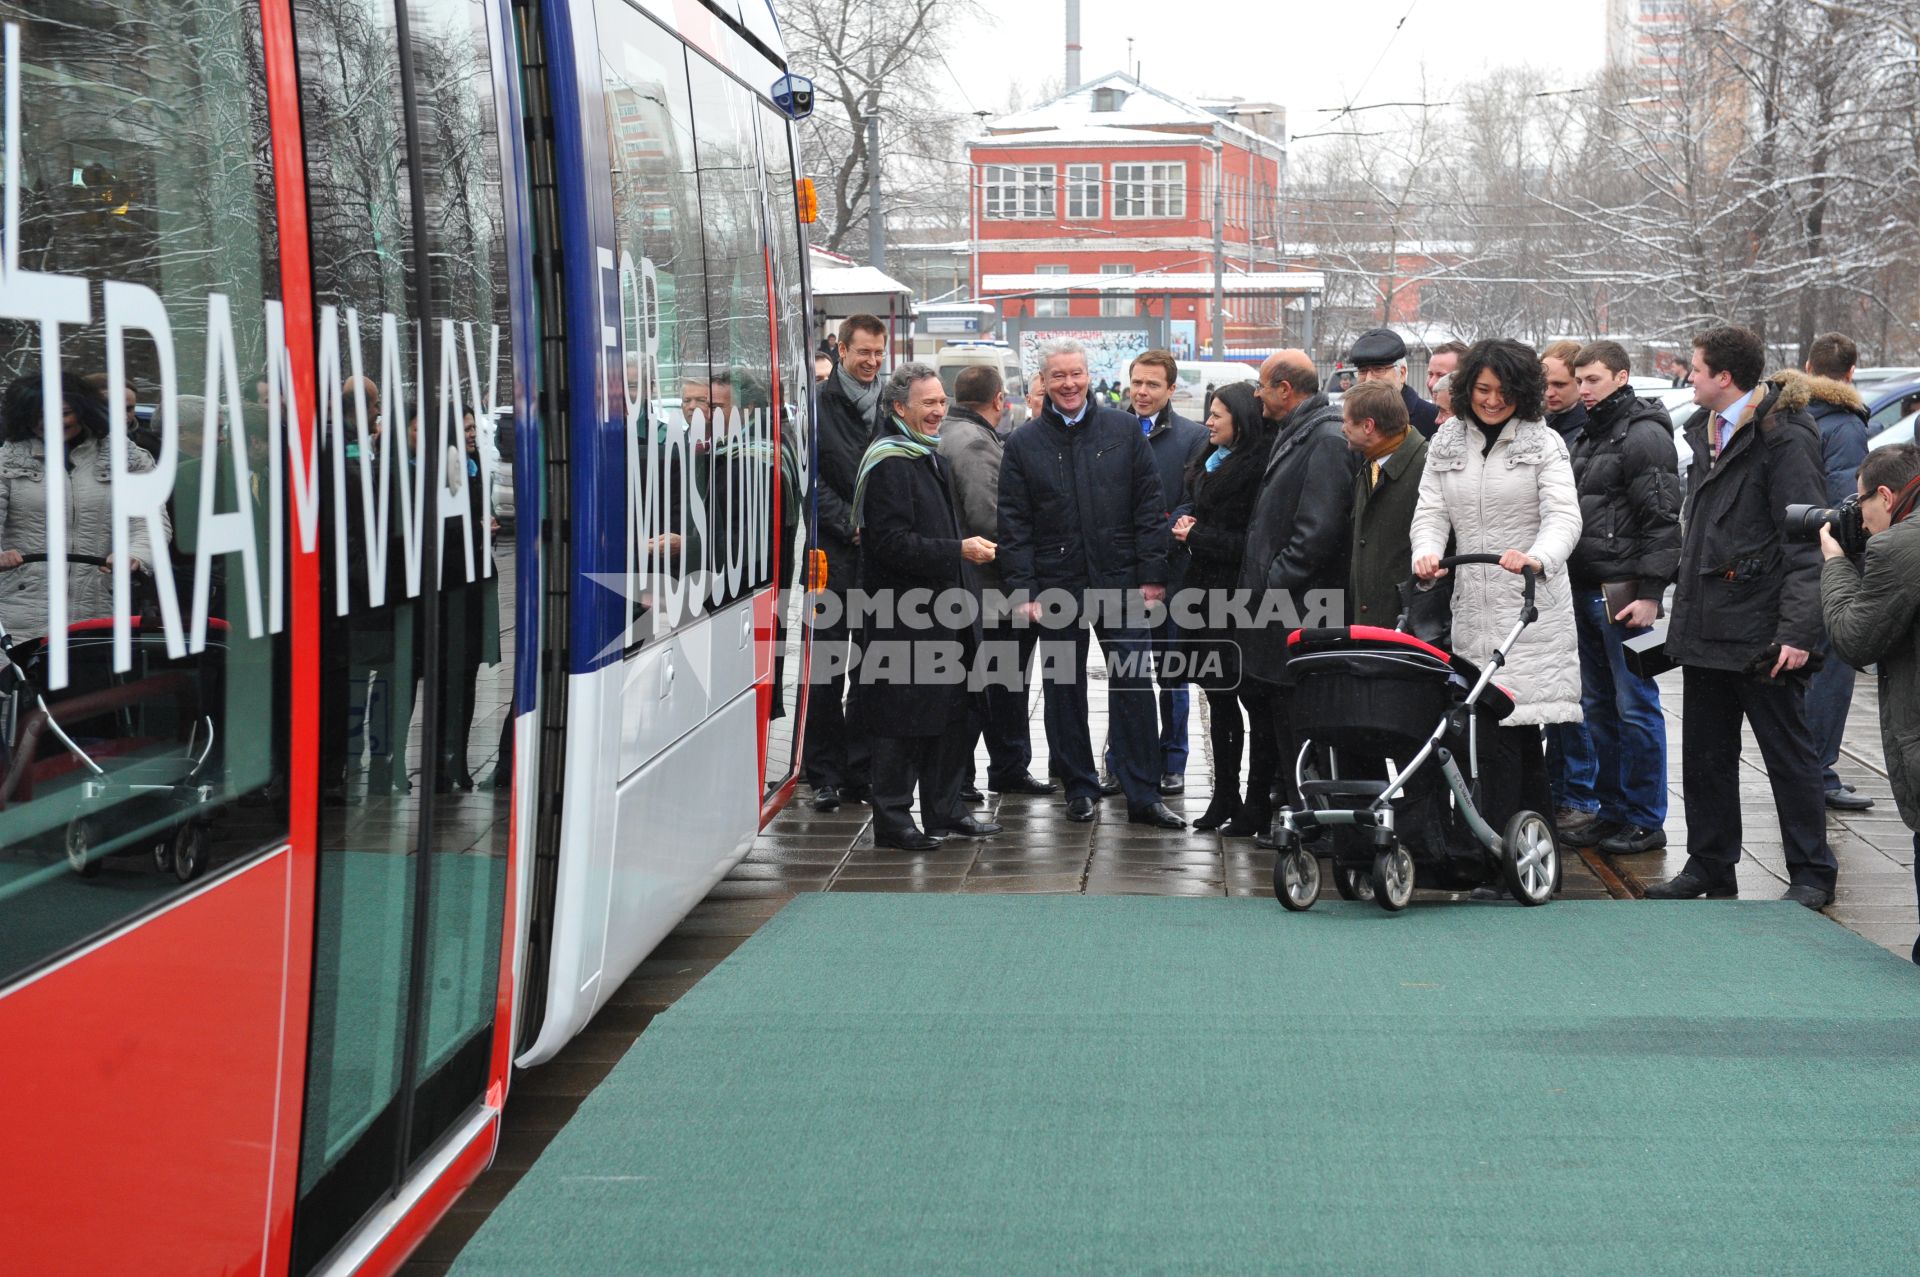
column 954, row 356
column 1190, row 393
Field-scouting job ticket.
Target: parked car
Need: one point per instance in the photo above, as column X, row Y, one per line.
column 1900, row 431
column 1888, row 403
column 1866, row 377
column 1678, row 401
column 1197, row 376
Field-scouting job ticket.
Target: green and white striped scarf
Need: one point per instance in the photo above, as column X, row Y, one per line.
column 908, row 443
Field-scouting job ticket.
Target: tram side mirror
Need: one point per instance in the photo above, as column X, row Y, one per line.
column 794, row 95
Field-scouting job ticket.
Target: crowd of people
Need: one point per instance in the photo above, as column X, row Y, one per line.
column 1548, row 460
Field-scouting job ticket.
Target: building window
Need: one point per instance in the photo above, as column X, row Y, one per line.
column 1149, row 190
column 1122, row 306
column 1083, row 191
column 1052, row 307
column 1019, row 191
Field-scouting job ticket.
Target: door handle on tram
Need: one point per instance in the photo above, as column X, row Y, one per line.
column 746, row 629
column 666, row 675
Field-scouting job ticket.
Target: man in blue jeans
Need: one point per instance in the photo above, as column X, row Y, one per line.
column 1628, row 476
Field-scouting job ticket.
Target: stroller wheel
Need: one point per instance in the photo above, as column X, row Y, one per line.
column 1296, row 879
column 1530, row 858
column 1393, row 879
column 82, row 838
column 190, row 851
column 163, row 854
column 1351, row 883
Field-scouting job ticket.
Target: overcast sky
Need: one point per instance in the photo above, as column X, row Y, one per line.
column 1306, row 56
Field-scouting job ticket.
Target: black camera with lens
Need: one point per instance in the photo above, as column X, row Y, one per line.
column 1805, row 521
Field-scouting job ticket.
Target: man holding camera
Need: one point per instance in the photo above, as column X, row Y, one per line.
column 1873, row 615
column 1745, row 617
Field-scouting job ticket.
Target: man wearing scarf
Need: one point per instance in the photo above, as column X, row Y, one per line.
column 849, row 416
column 913, row 697
column 1873, row 614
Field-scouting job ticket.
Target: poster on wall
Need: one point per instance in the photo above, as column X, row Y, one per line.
column 1110, row 351
column 1184, row 338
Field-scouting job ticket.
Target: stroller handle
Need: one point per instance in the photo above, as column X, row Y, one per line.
column 89, row 560
column 1493, row 560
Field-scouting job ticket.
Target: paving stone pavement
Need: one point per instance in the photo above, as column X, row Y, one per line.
column 1041, row 851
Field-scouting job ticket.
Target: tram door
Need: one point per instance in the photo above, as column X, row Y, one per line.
column 418, row 571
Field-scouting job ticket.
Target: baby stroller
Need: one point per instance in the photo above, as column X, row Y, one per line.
column 155, row 720
column 1395, row 723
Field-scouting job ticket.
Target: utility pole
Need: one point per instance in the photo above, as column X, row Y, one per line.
column 1219, row 343
column 876, row 217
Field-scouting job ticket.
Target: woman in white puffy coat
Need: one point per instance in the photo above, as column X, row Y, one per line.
column 89, row 505
column 1498, row 479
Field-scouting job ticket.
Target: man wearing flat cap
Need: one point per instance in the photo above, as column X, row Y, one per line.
column 1380, row 355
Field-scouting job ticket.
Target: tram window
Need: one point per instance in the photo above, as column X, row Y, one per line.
column 143, row 714
column 656, row 213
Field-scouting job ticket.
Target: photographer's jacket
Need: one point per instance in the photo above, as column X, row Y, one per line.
column 1742, row 587
column 1080, row 505
column 1629, row 481
column 1874, row 618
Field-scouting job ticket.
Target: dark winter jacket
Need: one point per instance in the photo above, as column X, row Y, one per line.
column 1221, row 503
column 1629, row 481
column 910, row 541
column 1297, row 538
column 1176, row 443
column 1382, row 533
column 1873, row 617
column 973, row 450
column 843, row 434
column 1570, row 423
column 1424, row 415
column 1743, row 588
column 1841, row 416
column 1080, row 505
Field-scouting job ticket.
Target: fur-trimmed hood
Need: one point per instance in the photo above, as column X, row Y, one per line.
column 1796, row 389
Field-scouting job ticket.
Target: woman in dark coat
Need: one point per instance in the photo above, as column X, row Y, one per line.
column 1222, row 485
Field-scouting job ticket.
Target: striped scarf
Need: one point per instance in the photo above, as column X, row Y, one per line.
column 908, row 443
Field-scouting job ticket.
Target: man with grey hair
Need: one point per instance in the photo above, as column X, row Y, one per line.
column 914, row 696
column 1081, row 510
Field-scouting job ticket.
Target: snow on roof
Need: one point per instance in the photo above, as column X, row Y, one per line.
column 1140, row 107
column 1085, row 135
column 836, row 275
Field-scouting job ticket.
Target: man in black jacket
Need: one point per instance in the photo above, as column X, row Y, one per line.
column 1081, row 510
column 1297, row 537
column 1745, row 618
column 1628, row 479
column 837, row 761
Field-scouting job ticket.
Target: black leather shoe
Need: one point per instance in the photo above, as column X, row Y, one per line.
column 1844, row 799
column 826, row 798
column 1022, row 784
column 1803, row 893
column 911, row 840
column 1687, row 885
column 972, row 794
column 1108, row 785
column 967, row 827
column 1171, row 784
column 1160, row 816
column 1080, row 810
column 1634, row 840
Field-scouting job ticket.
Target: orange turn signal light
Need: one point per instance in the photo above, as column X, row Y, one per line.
column 806, row 200
column 816, row 570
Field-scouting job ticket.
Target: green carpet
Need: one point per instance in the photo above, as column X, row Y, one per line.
column 1040, row 1084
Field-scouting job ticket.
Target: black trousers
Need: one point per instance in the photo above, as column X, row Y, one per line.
column 1133, row 720
column 1005, row 709
column 936, row 764
column 1262, row 749
column 1710, row 772
column 835, row 755
column 1513, row 775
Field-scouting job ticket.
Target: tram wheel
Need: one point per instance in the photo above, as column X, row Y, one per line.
column 1530, row 858
column 82, row 838
column 190, row 847
column 1296, row 879
column 1393, row 879
column 1351, row 883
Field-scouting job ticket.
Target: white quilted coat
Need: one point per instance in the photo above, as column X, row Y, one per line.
column 1520, row 496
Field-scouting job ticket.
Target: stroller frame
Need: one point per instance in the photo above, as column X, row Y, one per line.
column 1526, row 853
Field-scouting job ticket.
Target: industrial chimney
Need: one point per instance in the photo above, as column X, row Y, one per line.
column 1073, row 45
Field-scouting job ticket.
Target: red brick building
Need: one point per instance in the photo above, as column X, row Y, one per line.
column 1101, row 203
